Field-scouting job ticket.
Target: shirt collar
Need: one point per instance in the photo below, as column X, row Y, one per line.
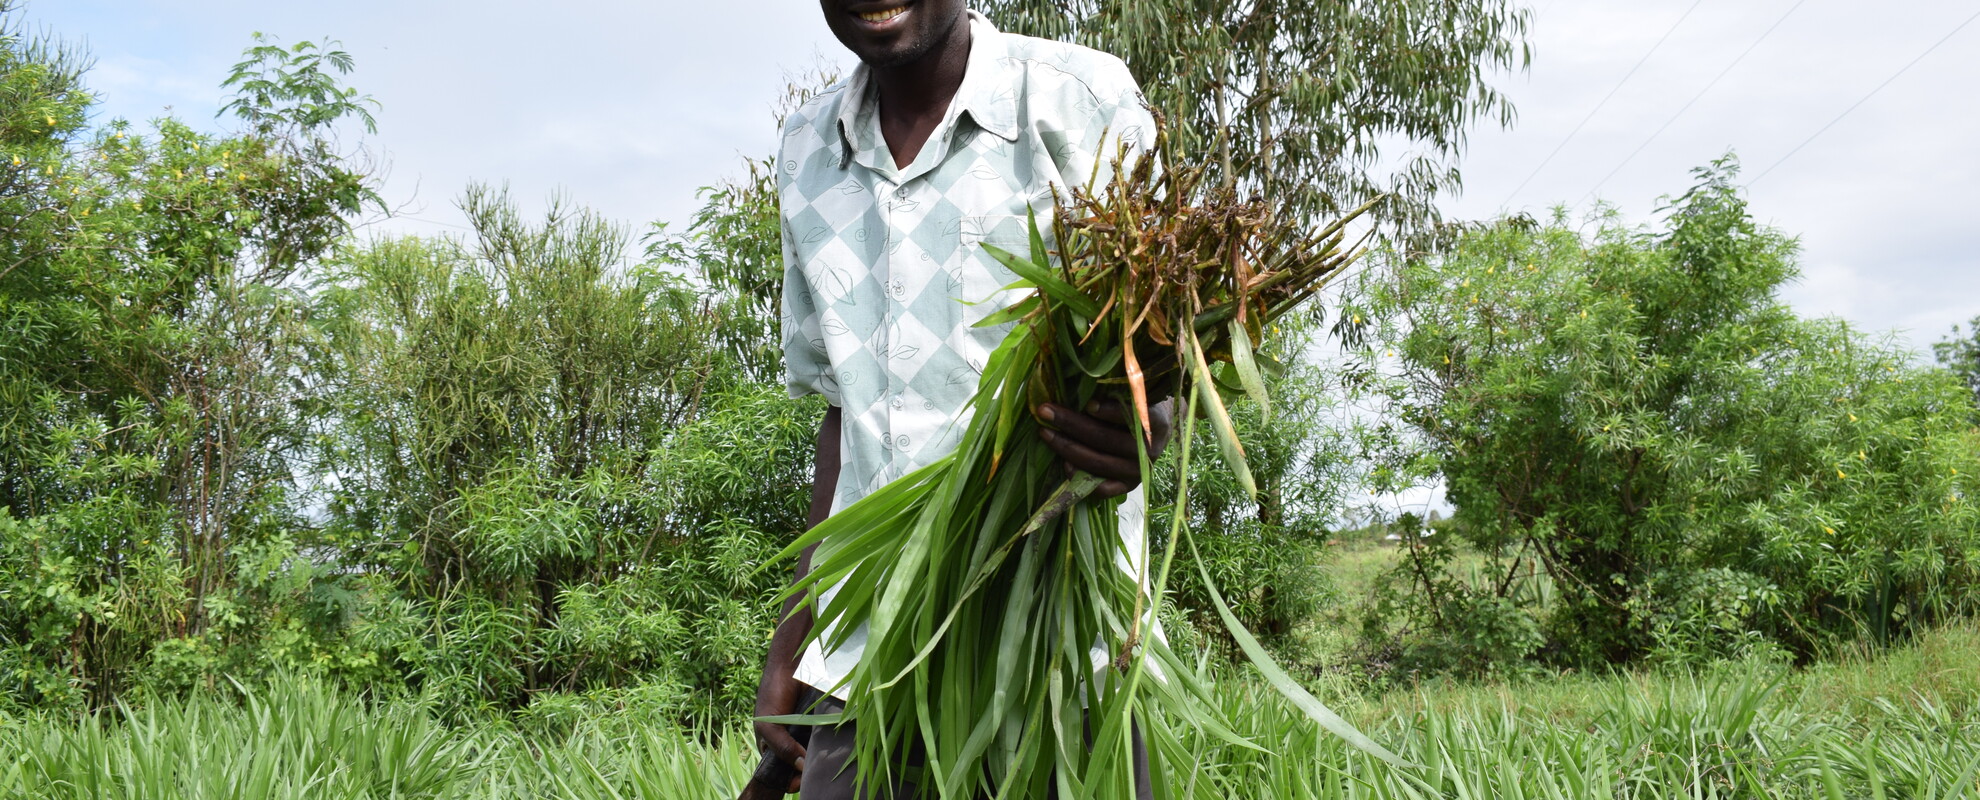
column 988, row 93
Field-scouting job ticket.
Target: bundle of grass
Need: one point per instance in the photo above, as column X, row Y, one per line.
column 985, row 579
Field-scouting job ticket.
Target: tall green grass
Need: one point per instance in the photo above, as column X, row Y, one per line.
column 1905, row 724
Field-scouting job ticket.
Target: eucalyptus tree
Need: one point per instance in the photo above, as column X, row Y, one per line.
column 1314, row 104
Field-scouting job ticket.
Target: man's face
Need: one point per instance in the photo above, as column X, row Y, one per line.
column 889, row 33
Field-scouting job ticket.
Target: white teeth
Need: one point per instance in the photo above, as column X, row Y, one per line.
column 882, row 16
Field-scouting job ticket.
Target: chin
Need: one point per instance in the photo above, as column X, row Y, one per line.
column 884, row 58
column 928, row 23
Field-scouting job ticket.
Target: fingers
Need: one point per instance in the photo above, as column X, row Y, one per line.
column 1112, row 488
column 1095, row 432
column 1113, row 411
column 1161, row 420
column 777, row 739
column 1080, row 456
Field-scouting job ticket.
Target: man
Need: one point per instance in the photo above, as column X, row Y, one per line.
column 942, row 139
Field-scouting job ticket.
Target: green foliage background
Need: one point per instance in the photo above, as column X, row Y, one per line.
column 483, row 472
column 1652, row 456
column 532, row 472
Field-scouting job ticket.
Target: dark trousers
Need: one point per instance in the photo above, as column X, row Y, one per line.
column 829, row 773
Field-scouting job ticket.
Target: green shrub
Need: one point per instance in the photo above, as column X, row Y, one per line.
column 151, row 334
column 1632, row 417
column 553, row 474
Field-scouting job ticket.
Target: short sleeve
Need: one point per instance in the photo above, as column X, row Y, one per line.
column 807, row 366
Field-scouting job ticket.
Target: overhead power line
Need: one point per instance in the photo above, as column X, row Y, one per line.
column 1873, row 93
column 1694, row 98
column 1605, row 101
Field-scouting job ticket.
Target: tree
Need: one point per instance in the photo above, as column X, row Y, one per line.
column 1636, row 418
column 1303, row 101
column 1962, row 355
column 553, row 472
column 151, row 334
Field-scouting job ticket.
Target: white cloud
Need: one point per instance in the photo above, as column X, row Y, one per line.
column 1878, row 201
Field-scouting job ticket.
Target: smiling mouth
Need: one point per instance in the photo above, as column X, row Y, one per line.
column 881, row 16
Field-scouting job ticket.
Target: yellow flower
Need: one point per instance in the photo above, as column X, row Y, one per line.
column 1584, row 313
column 51, row 121
column 1829, row 530
column 17, row 161
column 1357, row 319
column 1390, row 354
column 1447, row 359
column 1841, row 475
column 1862, row 456
column 1852, row 418
column 1492, row 270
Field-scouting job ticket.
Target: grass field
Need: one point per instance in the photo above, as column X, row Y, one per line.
column 1904, row 724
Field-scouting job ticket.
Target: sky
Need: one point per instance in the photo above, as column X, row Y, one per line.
column 628, row 108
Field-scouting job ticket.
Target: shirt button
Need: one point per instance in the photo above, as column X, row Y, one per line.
column 898, row 402
column 901, row 193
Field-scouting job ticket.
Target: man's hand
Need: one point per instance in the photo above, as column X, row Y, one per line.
column 1099, row 442
column 777, row 695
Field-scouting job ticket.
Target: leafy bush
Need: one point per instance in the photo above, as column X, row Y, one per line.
column 551, row 475
column 150, row 335
column 1635, row 417
column 1961, row 354
column 233, row 440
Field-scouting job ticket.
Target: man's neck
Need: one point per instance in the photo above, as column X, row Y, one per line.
column 914, row 96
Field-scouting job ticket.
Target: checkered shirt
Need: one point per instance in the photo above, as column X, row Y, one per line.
column 884, row 273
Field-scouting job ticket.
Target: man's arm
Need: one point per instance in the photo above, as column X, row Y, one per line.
column 778, row 693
